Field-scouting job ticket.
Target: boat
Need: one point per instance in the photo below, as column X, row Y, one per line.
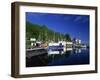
column 56, row 48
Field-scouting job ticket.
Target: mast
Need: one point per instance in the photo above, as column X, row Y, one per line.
column 54, row 37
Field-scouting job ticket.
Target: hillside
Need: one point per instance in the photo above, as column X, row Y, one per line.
column 42, row 33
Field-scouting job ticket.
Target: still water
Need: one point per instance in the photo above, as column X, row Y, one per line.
column 76, row 56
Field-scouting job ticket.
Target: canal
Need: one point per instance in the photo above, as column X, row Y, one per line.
column 76, row 56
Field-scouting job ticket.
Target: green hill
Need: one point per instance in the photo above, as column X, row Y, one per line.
column 43, row 33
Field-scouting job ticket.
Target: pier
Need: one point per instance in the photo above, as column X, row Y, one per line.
column 35, row 52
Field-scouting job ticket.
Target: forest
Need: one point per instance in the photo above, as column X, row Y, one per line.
column 43, row 33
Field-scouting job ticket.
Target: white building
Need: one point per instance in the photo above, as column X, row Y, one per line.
column 76, row 41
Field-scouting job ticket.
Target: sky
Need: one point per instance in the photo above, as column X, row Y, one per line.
column 77, row 26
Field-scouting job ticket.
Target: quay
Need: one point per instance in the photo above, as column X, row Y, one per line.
column 35, row 52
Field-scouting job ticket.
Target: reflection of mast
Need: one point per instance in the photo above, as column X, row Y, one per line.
column 79, row 35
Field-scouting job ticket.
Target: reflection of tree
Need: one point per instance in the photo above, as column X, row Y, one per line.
column 40, row 60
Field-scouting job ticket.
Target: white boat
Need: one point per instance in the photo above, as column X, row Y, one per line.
column 64, row 44
column 57, row 48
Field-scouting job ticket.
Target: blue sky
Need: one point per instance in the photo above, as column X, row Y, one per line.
column 77, row 26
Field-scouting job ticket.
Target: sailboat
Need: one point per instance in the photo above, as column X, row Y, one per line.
column 56, row 47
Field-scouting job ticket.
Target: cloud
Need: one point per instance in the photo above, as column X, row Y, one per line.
column 78, row 18
column 85, row 19
column 81, row 19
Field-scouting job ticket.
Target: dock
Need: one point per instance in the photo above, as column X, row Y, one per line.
column 35, row 52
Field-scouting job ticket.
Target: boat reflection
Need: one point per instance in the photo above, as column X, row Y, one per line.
column 78, row 50
column 53, row 58
column 59, row 51
column 69, row 57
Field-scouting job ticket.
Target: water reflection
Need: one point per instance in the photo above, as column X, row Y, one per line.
column 53, row 58
column 41, row 60
column 75, row 56
column 78, row 50
column 58, row 56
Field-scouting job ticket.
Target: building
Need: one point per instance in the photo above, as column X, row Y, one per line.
column 76, row 43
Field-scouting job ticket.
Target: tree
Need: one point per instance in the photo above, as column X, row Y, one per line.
column 67, row 37
column 43, row 33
